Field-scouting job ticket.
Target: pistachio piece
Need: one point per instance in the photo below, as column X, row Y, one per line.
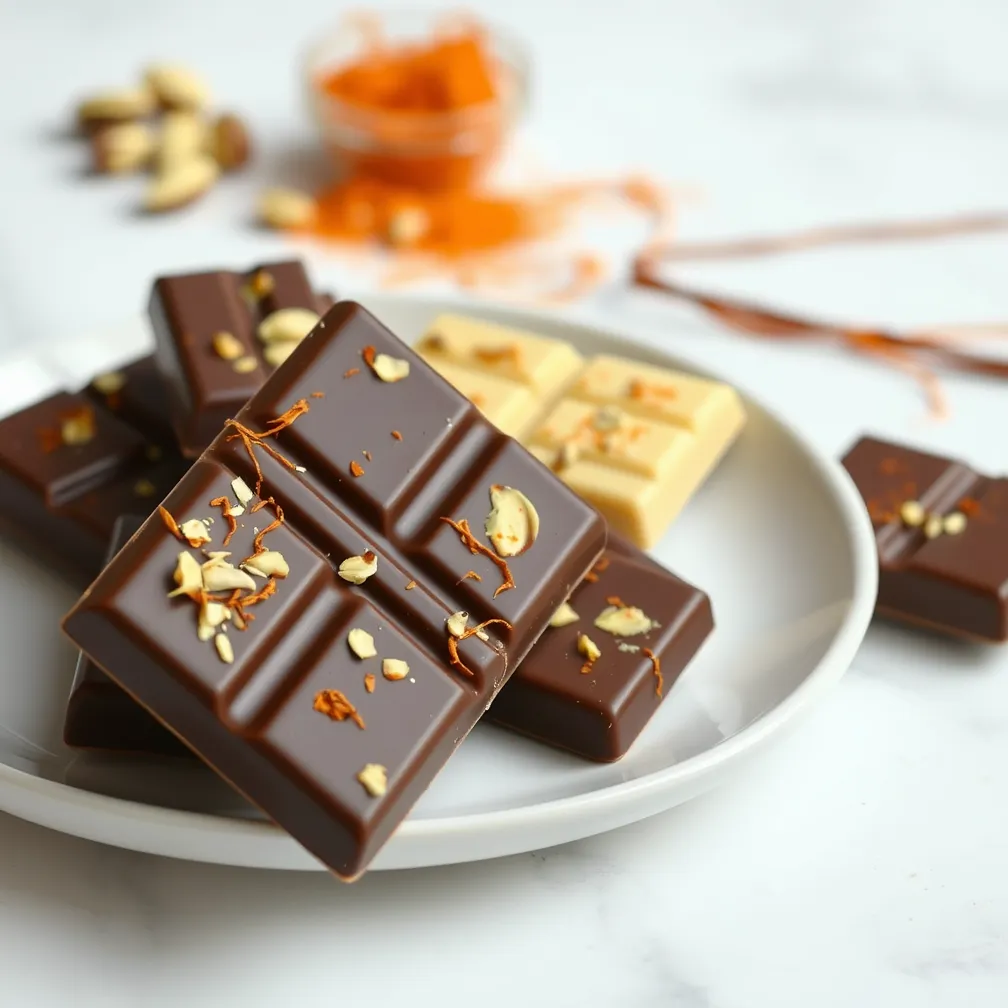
column 623, row 621
column 394, row 669
column 188, row 576
column 227, row 346
column 269, row 563
column 912, row 514
column 177, row 87
column 361, row 643
column 241, row 490
column 390, row 369
column 287, row 325
column 954, row 523
column 224, row 649
column 194, row 532
column 374, row 778
column 513, row 524
column 357, row 569
column 587, row 647
column 222, row 576
column 456, row 623
column 564, row 616
column 284, row 208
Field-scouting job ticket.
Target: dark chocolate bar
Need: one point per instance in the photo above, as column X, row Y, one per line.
column 653, row 623
column 218, row 335
column 941, row 531
column 69, row 467
column 373, row 466
column 136, row 394
column 101, row 715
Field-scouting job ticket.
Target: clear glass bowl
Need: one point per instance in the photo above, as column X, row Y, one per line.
column 418, row 149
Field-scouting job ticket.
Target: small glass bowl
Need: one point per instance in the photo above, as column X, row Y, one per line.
column 415, row 149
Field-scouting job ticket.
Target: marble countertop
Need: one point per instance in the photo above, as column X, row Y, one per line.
column 862, row 862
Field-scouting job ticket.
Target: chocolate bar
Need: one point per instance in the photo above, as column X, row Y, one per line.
column 380, row 561
column 632, row 439
column 69, row 467
column 940, row 528
column 99, row 714
column 612, row 652
column 219, row 334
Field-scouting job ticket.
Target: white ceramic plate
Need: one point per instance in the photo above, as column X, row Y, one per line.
column 778, row 537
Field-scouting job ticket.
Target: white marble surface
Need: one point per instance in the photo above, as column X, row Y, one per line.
column 863, row 863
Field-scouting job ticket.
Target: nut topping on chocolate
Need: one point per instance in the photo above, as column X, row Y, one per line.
column 244, row 365
column 269, row 563
column 78, row 428
column 456, row 623
column 222, row 576
column 361, row 643
column 912, row 514
column 933, row 526
column 188, row 576
column 108, row 383
column 564, row 616
column 241, row 490
column 227, row 346
column 513, row 524
column 374, row 778
column 394, row 669
column 357, row 569
column 624, row 621
column 287, row 325
column 587, row 647
column 390, row 369
column 195, row 532
column 224, row 648
column 954, row 523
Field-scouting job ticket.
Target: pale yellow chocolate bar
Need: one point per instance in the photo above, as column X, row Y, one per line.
column 511, row 375
column 635, row 441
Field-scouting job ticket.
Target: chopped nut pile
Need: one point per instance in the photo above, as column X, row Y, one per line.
column 163, row 125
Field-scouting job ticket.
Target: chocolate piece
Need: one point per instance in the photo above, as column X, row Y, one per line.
column 634, row 440
column 99, row 714
column 597, row 709
column 282, row 710
column 68, row 469
column 136, row 394
column 189, row 313
column 941, row 534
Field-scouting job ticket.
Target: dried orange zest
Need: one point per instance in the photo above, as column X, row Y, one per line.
column 318, row 395
column 356, row 469
column 335, row 705
column 476, row 547
column 350, row 372
column 453, row 642
column 656, row 665
column 251, row 438
column 410, row 585
column 369, row 682
column 368, row 356
column 171, row 524
column 615, row 600
column 470, row 574
column 225, row 505
column 397, row 435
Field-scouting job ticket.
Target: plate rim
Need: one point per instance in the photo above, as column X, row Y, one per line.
column 170, row 825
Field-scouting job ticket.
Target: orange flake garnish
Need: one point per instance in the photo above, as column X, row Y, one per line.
column 476, row 547
column 350, row 372
column 356, row 469
column 591, row 577
column 366, row 454
column 615, row 600
column 251, row 438
column 642, row 390
column 969, row 506
column 656, row 665
column 369, row 681
column 602, row 565
column 470, row 574
column 453, row 643
column 410, row 585
column 225, row 505
column 397, row 435
column 368, row 356
column 335, row 705
column 318, row 395
column 495, row 355
column 171, row 524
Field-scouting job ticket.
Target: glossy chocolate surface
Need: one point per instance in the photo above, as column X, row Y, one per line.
column 64, row 497
column 138, row 398
column 101, row 715
column 598, row 714
column 186, row 312
column 954, row 583
column 253, row 719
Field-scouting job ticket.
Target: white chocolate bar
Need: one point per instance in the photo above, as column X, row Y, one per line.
column 634, row 440
column 511, row 375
